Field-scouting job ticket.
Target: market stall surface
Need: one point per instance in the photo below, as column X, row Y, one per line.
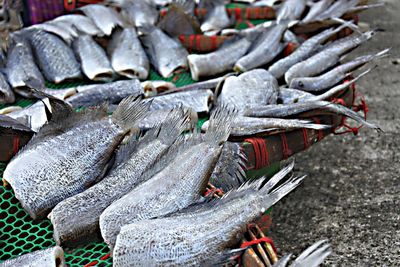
column 351, row 196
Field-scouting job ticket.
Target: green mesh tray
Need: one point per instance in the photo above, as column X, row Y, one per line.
column 19, row 234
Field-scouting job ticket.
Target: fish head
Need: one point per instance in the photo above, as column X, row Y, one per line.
column 300, row 83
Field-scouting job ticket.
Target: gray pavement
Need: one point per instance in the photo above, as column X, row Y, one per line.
column 352, row 193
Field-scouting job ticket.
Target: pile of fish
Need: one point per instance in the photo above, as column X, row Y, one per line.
column 136, row 179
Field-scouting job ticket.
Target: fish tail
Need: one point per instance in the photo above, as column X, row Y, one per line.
column 353, row 115
column 129, row 111
column 220, row 125
column 177, row 121
column 314, row 255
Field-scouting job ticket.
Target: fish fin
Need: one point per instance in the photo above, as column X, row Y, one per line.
column 229, row 172
column 220, row 84
column 314, row 255
column 176, row 122
column 224, row 258
column 129, row 111
column 168, row 131
column 181, row 144
column 220, row 125
column 177, row 22
column 125, row 150
column 283, row 261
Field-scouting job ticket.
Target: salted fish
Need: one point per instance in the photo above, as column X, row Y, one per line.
column 69, row 154
column 76, row 219
column 105, row 18
column 50, row 257
column 177, row 186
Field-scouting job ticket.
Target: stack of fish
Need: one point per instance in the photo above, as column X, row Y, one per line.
column 133, row 178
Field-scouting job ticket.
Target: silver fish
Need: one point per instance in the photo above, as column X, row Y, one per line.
column 80, row 22
column 104, row 18
column 21, row 66
column 165, row 53
column 189, row 239
column 217, row 17
column 93, row 59
column 50, row 257
column 317, row 9
column 221, row 60
column 304, row 51
column 163, row 194
column 334, row 76
column 266, row 48
column 128, row 57
column 96, row 94
column 252, row 88
column 199, row 100
column 282, row 111
column 326, row 58
column 6, row 94
column 54, row 57
column 140, row 13
column 9, row 123
column 291, row 10
column 157, row 87
column 76, row 219
column 246, row 126
column 69, row 154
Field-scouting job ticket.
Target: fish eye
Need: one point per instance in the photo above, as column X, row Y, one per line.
column 301, row 84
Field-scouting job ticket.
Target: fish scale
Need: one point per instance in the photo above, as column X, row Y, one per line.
column 55, row 58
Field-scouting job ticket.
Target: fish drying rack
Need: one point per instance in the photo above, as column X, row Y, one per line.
column 19, row 234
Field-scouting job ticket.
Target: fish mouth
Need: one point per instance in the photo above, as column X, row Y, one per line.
column 103, row 76
column 132, row 73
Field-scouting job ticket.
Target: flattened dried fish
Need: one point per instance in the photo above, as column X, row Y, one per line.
column 253, row 88
column 188, row 239
column 128, row 57
column 104, row 17
column 165, row 53
column 21, row 66
column 76, row 219
column 69, row 154
column 51, row 257
column 217, row 17
column 94, row 61
column 55, row 58
column 140, row 13
column 163, row 194
column 199, row 100
column 218, row 61
column 96, row 94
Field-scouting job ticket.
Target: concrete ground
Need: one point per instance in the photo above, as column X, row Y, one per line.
column 352, row 193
